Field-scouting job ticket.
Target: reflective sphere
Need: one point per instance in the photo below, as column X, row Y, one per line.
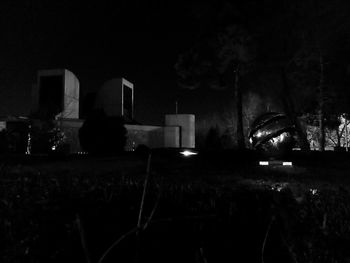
column 273, row 134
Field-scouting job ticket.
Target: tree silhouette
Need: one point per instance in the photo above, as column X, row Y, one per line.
column 219, row 62
column 301, row 46
column 4, row 141
column 325, row 26
column 103, row 135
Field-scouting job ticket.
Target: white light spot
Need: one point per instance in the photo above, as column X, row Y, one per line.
column 187, row 153
column 259, row 134
column 313, row 191
column 263, row 163
column 279, row 186
column 287, row 163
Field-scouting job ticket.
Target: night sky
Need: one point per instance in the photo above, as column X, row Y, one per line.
column 137, row 40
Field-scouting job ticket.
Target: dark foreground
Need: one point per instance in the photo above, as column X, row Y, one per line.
column 215, row 207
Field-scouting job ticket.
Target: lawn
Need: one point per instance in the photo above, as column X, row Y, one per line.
column 214, row 207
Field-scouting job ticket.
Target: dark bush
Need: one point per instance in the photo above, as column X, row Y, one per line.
column 4, row 142
column 46, row 138
column 142, row 150
column 103, row 135
column 213, row 139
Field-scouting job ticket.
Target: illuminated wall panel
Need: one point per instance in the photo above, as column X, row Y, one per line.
column 116, row 98
column 186, row 122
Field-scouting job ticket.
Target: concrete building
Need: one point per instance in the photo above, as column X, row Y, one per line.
column 56, row 96
column 186, row 129
column 116, row 98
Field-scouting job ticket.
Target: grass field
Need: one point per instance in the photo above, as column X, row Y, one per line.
column 214, row 207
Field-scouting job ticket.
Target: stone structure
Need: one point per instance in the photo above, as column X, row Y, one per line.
column 56, row 94
column 151, row 136
column 116, row 98
column 186, row 124
column 172, row 136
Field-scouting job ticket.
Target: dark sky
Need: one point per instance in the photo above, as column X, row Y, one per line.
column 138, row 40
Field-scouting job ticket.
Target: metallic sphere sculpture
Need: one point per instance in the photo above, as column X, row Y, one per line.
column 272, row 134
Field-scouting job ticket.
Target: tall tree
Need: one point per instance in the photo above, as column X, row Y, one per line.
column 297, row 39
column 293, row 40
column 278, row 42
column 324, row 23
column 219, row 62
column 236, row 53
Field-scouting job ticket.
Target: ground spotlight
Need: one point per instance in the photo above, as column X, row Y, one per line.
column 188, row 153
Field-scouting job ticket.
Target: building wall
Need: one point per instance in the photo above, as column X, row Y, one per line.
column 110, row 97
column 178, row 132
column 130, row 86
column 151, row 136
column 172, row 137
column 71, row 96
column 70, row 91
column 2, row 125
column 186, row 122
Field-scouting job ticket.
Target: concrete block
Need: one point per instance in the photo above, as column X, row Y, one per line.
column 172, row 137
column 186, row 122
column 56, row 94
column 151, row 136
column 116, row 98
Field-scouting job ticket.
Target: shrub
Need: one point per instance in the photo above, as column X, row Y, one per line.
column 4, row 141
column 102, row 135
column 213, row 139
column 45, row 137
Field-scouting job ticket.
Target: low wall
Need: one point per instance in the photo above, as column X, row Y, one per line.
column 151, row 136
